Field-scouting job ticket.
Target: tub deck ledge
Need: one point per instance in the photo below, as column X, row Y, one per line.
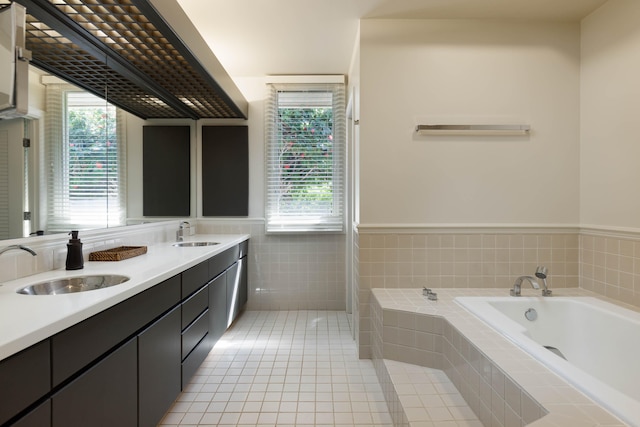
column 501, row 383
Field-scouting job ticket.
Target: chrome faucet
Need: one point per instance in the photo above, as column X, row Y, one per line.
column 24, row 248
column 541, row 273
column 181, row 230
column 515, row 292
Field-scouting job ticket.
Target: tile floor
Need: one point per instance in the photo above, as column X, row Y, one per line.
column 428, row 398
column 285, row 368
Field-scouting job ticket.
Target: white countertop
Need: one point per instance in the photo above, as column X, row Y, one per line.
column 28, row 319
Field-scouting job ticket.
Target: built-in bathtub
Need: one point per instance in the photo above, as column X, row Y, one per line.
column 600, row 341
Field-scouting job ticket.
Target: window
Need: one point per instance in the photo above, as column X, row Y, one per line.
column 85, row 161
column 305, row 132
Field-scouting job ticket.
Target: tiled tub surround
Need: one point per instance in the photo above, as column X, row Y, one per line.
column 601, row 260
column 503, row 385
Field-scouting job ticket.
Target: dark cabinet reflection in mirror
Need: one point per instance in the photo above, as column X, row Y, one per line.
column 166, row 187
column 225, row 171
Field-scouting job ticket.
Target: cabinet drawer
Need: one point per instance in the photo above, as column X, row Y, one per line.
column 194, row 333
column 76, row 347
column 194, row 306
column 24, row 378
column 222, row 261
column 194, row 278
column 191, row 364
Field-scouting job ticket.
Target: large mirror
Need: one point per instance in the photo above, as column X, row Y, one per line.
column 63, row 168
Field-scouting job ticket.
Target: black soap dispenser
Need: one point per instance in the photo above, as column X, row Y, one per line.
column 74, row 252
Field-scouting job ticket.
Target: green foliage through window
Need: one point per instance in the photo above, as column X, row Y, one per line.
column 306, row 159
column 92, row 151
column 305, row 133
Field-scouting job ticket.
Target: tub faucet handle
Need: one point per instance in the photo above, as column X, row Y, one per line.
column 541, row 273
column 431, row 296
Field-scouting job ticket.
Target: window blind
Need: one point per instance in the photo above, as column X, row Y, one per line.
column 85, row 161
column 305, row 128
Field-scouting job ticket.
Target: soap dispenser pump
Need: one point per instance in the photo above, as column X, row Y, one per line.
column 74, row 252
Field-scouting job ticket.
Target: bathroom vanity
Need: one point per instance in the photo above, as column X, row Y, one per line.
column 126, row 363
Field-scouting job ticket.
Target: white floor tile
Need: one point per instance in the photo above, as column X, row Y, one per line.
column 296, row 368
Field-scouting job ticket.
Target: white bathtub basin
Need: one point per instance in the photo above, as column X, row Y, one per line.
column 600, row 341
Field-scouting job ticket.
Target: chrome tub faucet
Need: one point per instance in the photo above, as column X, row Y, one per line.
column 541, row 273
column 515, row 292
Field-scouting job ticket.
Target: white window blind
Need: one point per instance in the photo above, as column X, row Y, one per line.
column 86, row 161
column 305, row 128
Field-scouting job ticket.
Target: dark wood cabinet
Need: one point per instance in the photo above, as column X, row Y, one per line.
column 24, row 378
column 159, row 376
column 194, row 306
column 196, row 341
column 102, row 332
column 38, row 417
column 105, row 395
column 218, row 307
column 233, row 287
column 194, row 278
column 126, row 365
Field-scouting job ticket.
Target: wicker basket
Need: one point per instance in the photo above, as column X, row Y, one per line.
column 118, row 254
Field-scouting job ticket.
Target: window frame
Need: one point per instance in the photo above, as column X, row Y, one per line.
column 279, row 222
column 56, row 213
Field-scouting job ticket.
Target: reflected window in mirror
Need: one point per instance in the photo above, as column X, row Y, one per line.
column 85, row 161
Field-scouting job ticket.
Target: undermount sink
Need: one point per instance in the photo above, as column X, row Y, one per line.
column 194, row 244
column 74, row 284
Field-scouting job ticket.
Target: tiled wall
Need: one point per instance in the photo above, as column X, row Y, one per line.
column 600, row 260
column 610, row 265
column 470, row 258
column 490, row 393
column 288, row 272
column 457, row 260
column 355, row 279
column 52, row 249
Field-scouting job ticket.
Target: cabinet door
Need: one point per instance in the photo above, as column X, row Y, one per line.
column 233, row 290
column 39, row 417
column 158, row 368
column 81, row 344
column 243, row 293
column 217, row 307
column 106, row 395
column 24, row 378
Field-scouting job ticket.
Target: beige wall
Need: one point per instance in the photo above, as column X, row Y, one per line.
column 466, row 71
column 285, row 272
column 610, row 111
column 564, row 197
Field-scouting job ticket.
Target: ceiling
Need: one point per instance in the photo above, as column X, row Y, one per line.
column 124, row 51
column 257, row 38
